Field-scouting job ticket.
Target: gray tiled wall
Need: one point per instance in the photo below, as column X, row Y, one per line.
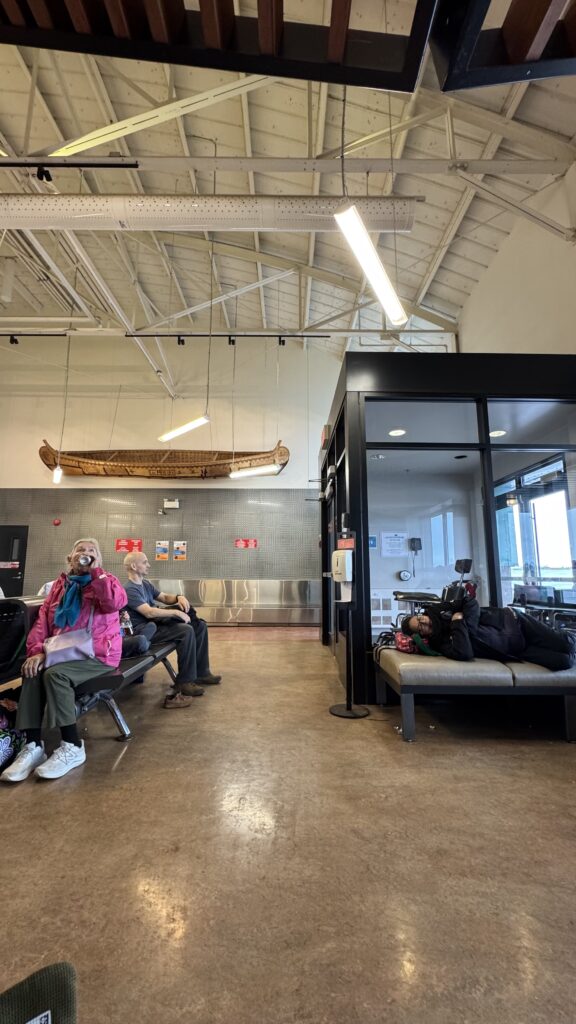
column 284, row 522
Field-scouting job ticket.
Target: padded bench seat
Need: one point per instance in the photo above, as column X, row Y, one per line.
column 102, row 689
column 16, row 619
column 410, row 674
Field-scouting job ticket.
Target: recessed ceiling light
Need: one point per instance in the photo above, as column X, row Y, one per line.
column 497, row 433
column 396, row 433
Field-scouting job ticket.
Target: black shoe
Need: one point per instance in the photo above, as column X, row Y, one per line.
column 210, row 680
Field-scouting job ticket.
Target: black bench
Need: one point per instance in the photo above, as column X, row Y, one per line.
column 17, row 618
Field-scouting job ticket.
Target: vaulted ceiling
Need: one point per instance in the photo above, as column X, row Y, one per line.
column 104, row 125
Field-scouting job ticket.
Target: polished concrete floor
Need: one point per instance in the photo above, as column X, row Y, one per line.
column 254, row 860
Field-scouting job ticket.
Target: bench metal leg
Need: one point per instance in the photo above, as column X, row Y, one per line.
column 408, row 717
column 570, row 717
column 123, row 727
column 169, row 669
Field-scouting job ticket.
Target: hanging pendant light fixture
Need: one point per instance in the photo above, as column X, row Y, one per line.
column 200, row 421
column 352, row 227
column 178, row 431
column 270, row 468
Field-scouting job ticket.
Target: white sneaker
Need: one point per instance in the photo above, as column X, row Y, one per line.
column 28, row 759
column 66, row 757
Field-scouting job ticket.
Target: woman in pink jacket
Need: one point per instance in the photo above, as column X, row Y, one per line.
column 84, row 591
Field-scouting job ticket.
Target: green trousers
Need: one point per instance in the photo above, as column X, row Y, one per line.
column 53, row 689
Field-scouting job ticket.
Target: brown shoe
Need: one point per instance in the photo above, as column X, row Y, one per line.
column 178, row 700
column 209, row 680
column 190, row 689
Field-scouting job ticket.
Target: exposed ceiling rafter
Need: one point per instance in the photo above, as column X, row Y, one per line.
column 159, row 115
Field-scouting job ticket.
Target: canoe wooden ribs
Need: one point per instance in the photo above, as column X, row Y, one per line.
column 160, row 463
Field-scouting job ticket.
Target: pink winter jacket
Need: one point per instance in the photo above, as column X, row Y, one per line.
column 107, row 595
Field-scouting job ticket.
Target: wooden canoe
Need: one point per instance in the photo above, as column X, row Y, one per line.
column 160, row 463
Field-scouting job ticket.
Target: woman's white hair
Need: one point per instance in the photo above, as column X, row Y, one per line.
column 88, row 540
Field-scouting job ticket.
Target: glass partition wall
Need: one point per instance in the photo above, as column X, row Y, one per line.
column 433, row 470
column 425, row 510
column 428, row 464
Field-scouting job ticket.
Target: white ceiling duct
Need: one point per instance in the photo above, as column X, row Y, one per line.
column 198, row 213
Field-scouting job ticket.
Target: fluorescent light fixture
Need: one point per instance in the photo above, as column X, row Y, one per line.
column 184, row 428
column 396, row 433
column 497, row 433
column 271, row 468
column 57, row 474
column 352, row 227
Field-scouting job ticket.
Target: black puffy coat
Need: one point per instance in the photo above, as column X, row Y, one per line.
column 482, row 633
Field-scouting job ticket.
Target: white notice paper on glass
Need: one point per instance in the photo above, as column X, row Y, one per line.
column 44, row 1018
column 393, row 544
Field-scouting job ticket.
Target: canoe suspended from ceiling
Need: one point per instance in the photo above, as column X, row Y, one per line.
column 160, row 463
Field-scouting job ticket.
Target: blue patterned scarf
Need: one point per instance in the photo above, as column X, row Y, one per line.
column 68, row 610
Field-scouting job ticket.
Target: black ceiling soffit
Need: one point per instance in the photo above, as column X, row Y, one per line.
column 214, row 37
column 533, row 42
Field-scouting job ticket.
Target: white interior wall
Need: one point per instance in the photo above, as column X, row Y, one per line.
column 253, row 414
column 526, row 299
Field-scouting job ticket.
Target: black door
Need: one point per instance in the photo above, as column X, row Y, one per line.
column 13, row 541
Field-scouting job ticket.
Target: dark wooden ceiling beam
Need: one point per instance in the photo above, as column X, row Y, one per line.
column 217, row 18
column 338, row 32
column 88, row 17
column 127, row 18
column 270, row 25
column 528, row 26
column 166, row 19
column 50, row 14
column 15, row 12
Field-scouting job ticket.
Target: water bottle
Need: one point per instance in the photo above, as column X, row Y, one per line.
column 126, row 628
column 85, row 560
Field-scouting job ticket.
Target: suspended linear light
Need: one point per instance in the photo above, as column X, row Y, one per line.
column 352, row 227
column 57, row 474
column 192, row 425
column 270, row 469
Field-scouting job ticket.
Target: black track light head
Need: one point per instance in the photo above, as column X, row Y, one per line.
column 43, row 174
column 181, row 340
column 281, row 341
column 231, row 339
column 14, row 340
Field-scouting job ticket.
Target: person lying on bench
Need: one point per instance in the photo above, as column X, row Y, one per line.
column 497, row 633
column 178, row 624
column 84, row 603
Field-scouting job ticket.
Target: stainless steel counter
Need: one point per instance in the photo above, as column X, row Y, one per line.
column 264, row 602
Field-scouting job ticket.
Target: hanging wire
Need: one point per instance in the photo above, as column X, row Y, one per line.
column 308, row 409
column 342, row 141
column 233, row 402
column 114, row 416
column 394, row 232
column 211, row 315
column 277, row 394
column 65, row 398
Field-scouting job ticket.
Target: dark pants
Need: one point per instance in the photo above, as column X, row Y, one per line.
column 191, row 641
column 134, row 645
column 553, row 648
column 54, row 689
